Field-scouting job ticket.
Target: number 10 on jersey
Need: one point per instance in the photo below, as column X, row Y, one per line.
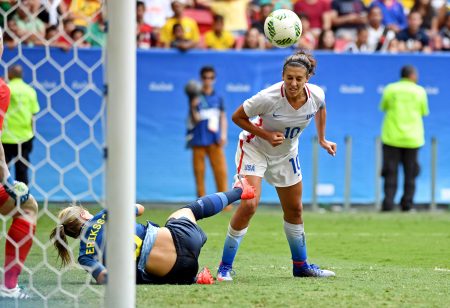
column 295, row 162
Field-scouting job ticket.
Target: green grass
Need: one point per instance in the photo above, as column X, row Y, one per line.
column 381, row 260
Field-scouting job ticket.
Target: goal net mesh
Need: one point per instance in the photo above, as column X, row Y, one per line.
column 67, row 161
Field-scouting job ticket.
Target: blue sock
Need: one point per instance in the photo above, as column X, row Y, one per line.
column 231, row 245
column 212, row 204
column 297, row 243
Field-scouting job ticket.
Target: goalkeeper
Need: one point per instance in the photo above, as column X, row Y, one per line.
column 15, row 201
column 164, row 255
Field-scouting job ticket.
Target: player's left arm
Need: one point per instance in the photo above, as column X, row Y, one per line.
column 94, row 267
column 321, row 118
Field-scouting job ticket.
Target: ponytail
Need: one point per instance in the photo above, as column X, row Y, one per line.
column 70, row 224
column 58, row 237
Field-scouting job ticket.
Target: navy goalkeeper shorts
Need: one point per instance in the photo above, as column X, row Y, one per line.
column 189, row 239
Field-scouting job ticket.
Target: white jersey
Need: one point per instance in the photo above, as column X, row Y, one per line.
column 274, row 113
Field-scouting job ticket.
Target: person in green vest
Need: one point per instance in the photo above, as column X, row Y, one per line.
column 405, row 104
column 17, row 135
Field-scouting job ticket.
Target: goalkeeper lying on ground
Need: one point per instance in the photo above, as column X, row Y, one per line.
column 164, row 255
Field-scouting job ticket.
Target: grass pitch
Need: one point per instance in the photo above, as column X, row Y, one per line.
column 381, row 260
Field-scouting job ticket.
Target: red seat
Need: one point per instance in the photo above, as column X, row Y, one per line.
column 204, row 18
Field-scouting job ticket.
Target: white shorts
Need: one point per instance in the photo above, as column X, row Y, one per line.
column 279, row 171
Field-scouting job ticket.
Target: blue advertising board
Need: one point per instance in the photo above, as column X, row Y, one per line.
column 68, row 158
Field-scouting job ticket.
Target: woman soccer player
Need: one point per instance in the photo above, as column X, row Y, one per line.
column 164, row 255
column 268, row 147
column 16, row 202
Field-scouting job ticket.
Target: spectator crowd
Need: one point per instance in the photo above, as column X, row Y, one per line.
column 335, row 25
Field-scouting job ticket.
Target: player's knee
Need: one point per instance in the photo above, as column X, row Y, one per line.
column 294, row 212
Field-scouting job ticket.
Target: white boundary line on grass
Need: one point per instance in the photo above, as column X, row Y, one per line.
column 437, row 269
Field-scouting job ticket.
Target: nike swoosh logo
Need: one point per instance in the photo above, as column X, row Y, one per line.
column 276, row 115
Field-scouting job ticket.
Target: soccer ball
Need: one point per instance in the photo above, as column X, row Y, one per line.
column 283, row 28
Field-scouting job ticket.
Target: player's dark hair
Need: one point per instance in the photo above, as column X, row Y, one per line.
column 301, row 59
column 207, row 69
column 70, row 224
column 407, row 71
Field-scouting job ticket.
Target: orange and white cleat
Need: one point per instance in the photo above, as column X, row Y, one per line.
column 205, row 276
column 248, row 191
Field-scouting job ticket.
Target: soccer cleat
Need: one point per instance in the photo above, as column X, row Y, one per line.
column 225, row 272
column 311, row 270
column 205, row 277
column 16, row 293
column 248, row 191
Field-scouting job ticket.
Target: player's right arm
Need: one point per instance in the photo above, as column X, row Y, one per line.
column 260, row 104
column 243, row 121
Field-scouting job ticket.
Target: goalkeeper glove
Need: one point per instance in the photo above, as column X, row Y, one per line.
column 17, row 190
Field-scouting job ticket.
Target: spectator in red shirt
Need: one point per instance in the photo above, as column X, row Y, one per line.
column 144, row 30
column 68, row 27
column 308, row 39
column 265, row 9
column 316, row 10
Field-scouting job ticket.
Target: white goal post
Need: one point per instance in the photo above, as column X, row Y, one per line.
column 69, row 128
column 121, row 152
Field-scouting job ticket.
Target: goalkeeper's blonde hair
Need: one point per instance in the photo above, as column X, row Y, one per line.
column 69, row 224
